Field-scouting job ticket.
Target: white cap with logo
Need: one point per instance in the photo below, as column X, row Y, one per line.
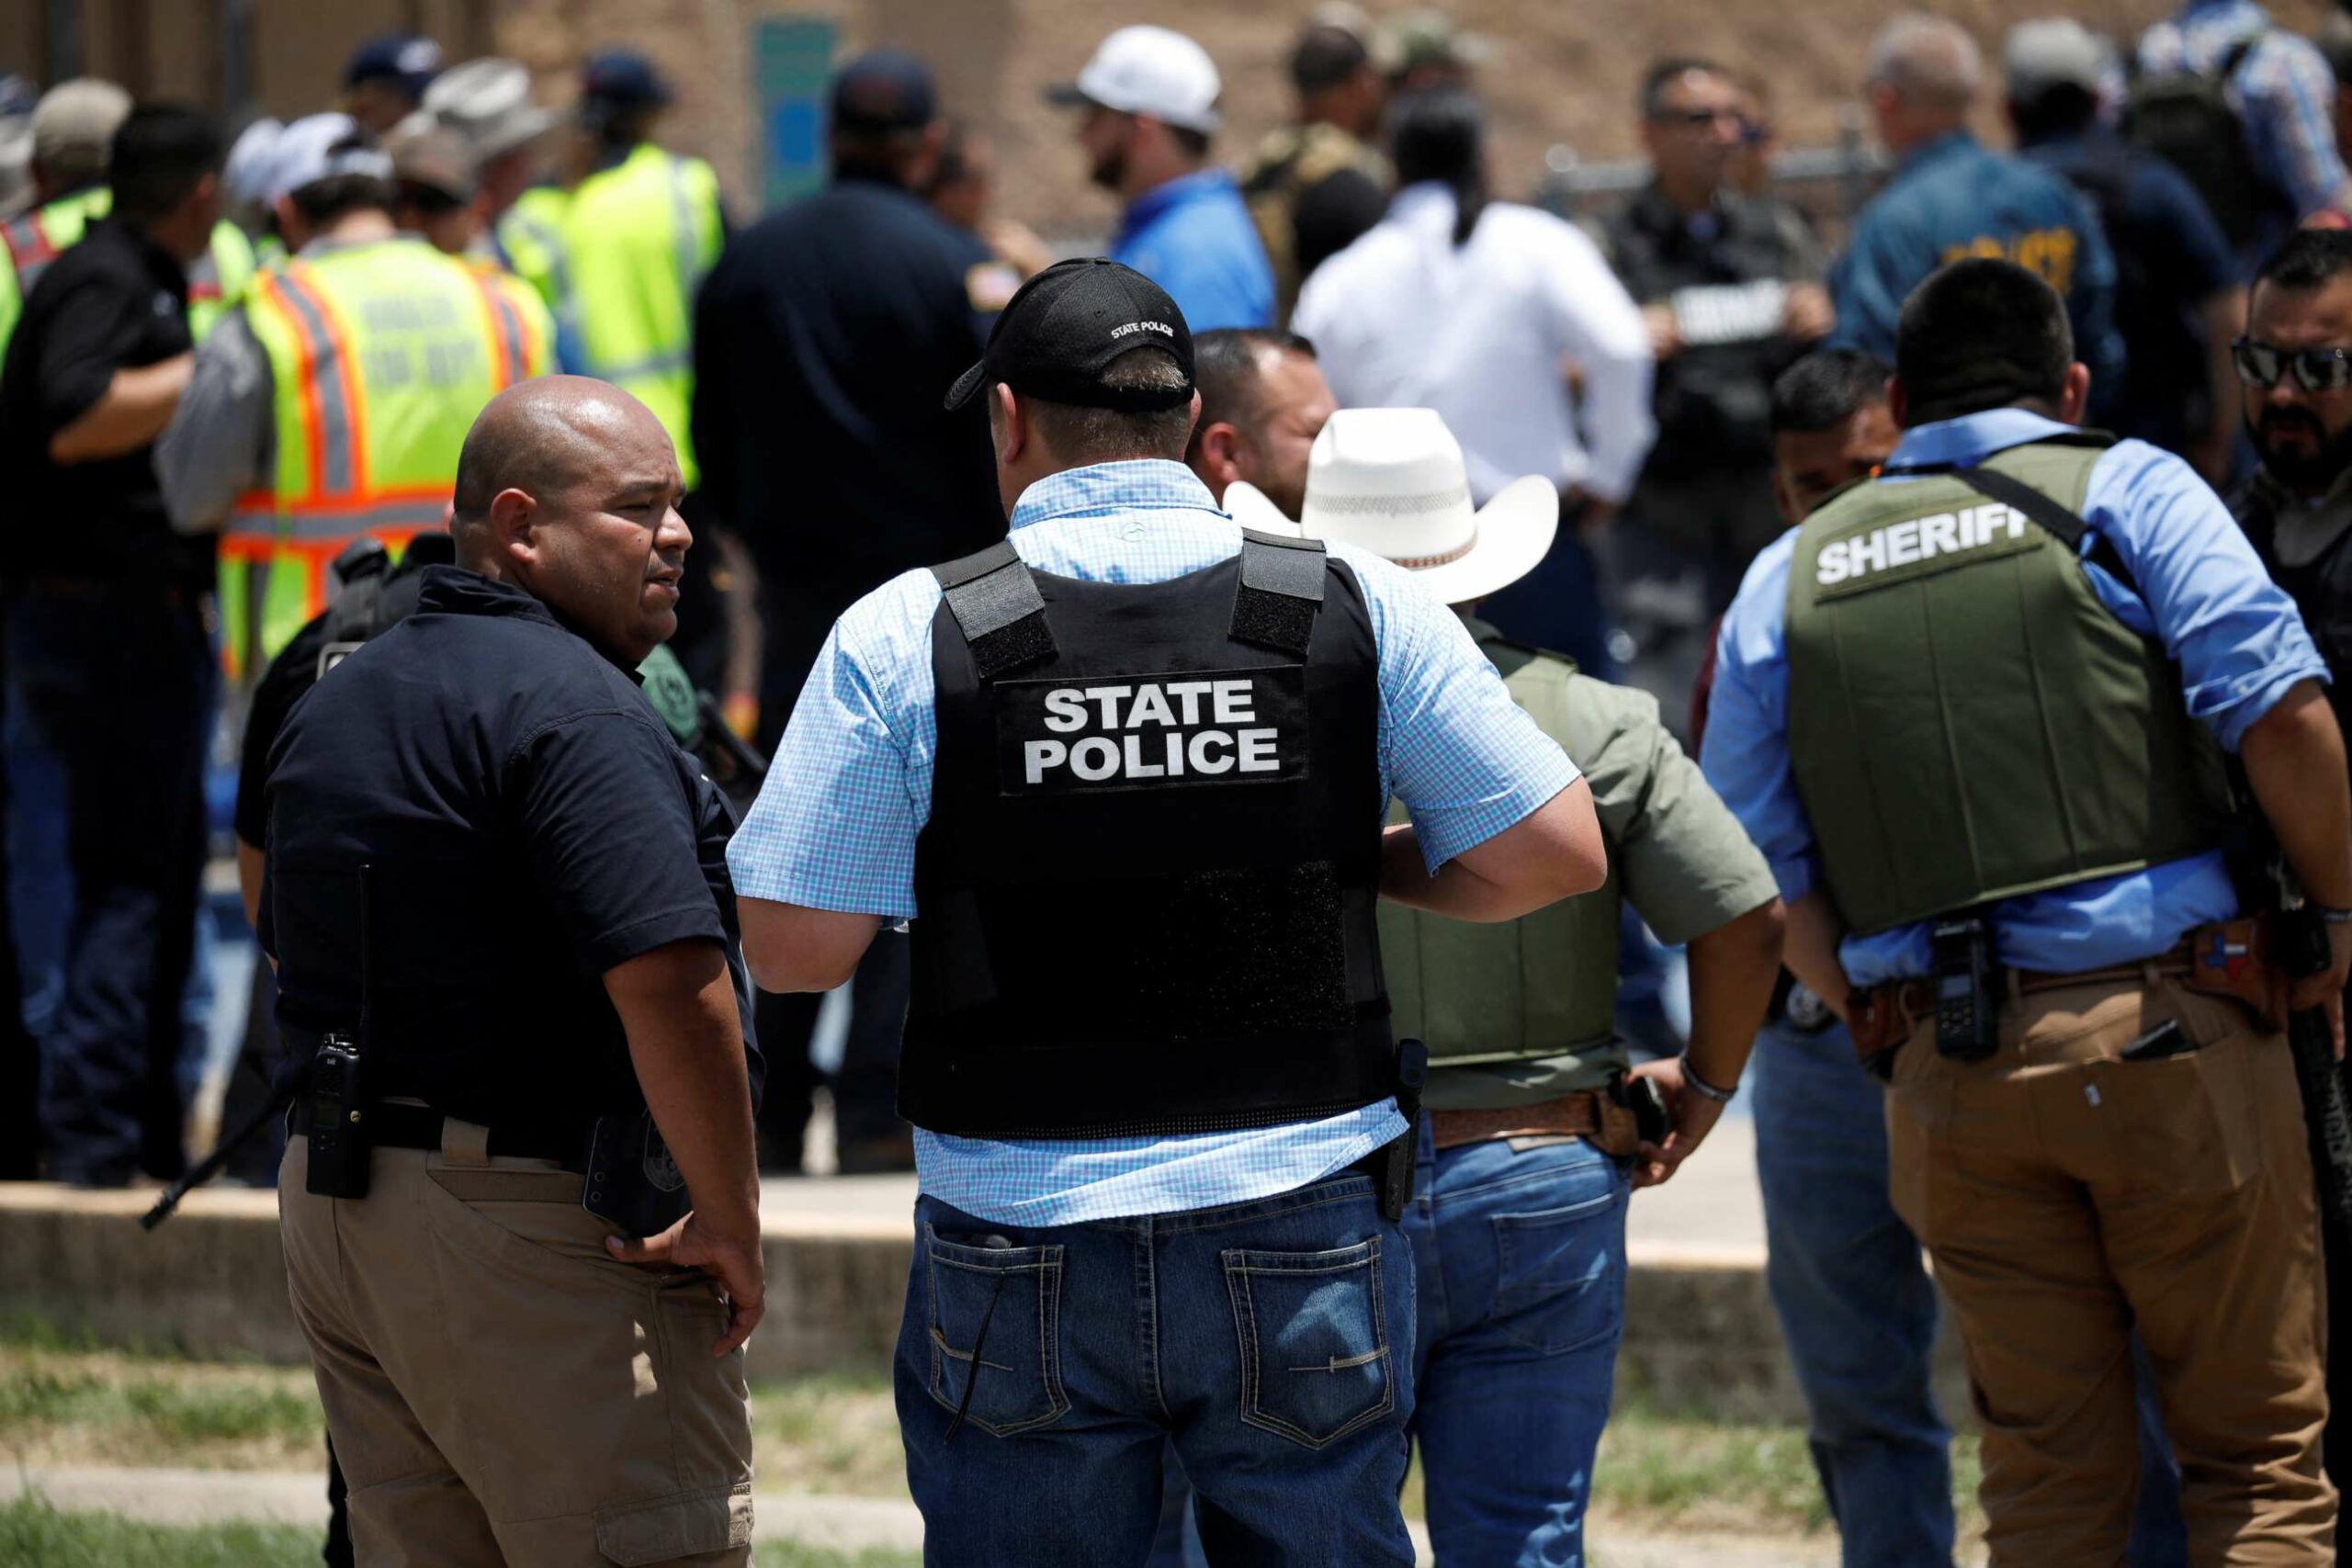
column 1149, row 70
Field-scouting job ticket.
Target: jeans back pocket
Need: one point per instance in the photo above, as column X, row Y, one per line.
column 996, row 1333
column 1556, row 1279
column 1314, row 1352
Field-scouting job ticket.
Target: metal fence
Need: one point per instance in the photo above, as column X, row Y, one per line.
column 1830, row 183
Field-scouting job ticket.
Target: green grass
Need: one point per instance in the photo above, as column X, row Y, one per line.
column 35, row 1535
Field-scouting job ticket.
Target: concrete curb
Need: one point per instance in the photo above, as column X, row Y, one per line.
column 185, row 1497
column 1700, row 1333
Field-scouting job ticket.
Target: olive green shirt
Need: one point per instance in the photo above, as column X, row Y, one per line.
column 1683, row 860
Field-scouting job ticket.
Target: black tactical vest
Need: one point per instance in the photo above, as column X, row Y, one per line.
column 1147, row 885
column 2320, row 588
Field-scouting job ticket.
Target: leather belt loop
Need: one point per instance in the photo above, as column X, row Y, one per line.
column 464, row 1142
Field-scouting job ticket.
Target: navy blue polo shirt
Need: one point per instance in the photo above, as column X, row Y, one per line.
column 529, row 824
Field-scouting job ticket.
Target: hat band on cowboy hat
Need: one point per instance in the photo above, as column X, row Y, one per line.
column 1392, row 482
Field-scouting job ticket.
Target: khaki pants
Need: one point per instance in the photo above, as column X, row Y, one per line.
column 498, row 1388
column 2065, row 1194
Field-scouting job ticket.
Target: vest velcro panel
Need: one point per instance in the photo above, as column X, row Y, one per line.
column 1967, row 720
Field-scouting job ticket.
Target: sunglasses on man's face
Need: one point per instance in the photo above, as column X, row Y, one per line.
column 1698, row 120
column 2314, row 370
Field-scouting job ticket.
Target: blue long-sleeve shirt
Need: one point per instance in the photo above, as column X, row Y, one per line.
column 1192, row 236
column 2200, row 590
column 1955, row 198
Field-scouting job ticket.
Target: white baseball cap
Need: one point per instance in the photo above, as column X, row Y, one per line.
column 319, row 147
column 1149, row 70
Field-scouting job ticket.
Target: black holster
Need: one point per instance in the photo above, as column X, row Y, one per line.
column 1402, row 1156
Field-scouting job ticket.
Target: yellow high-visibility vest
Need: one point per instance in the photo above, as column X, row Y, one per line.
column 217, row 280
column 381, row 356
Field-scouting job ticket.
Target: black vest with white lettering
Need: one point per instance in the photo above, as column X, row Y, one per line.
column 1146, row 890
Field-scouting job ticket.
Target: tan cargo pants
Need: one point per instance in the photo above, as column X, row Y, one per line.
column 499, row 1389
column 2065, row 1194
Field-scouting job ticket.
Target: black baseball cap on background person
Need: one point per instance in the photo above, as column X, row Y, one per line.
column 884, row 90
column 1063, row 328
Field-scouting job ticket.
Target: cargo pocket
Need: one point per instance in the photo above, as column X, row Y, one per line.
column 996, row 1333
column 1314, row 1355
column 691, row 1524
column 1557, row 1283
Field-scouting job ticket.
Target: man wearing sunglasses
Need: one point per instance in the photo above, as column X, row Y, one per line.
column 2295, row 362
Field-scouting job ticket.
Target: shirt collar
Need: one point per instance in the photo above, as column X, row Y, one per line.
column 1104, row 489
column 1973, row 437
column 1422, row 196
column 455, row 590
column 1182, row 191
column 1935, row 152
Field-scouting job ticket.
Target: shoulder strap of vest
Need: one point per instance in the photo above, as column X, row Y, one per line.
column 2054, row 516
column 997, row 605
column 1281, row 590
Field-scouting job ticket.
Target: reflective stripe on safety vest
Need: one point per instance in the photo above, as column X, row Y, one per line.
column 381, row 356
column 217, row 280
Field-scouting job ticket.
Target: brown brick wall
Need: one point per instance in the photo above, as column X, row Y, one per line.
column 1561, row 72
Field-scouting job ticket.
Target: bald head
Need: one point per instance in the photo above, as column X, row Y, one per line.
column 542, row 436
column 567, row 488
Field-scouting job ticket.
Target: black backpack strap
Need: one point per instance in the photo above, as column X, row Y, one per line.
column 996, row 603
column 1281, row 590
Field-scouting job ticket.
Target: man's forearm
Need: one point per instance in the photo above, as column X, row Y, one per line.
column 2294, row 761
column 1810, row 949
column 133, row 410
column 1733, row 970
column 685, row 1039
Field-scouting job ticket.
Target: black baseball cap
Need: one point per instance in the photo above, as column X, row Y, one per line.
column 885, row 90
column 1063, row 328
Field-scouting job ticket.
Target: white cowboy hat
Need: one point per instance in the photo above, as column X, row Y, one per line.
column 1392, row 481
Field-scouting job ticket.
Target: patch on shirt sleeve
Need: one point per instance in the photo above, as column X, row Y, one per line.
column 990, row 285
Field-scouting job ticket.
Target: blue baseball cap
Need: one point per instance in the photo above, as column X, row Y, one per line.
column 404, row 59
column 885, row 90
column 623, row 78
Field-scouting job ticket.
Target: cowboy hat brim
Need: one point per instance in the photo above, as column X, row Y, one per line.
column 1515, row 533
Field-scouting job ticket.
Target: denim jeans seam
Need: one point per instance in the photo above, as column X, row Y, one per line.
column 1212, row 1219
column 1048, row 1272
column 1246, row 1312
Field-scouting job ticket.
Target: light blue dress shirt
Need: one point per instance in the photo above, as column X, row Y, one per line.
column 1193, row 237
column 2236, row 638
column 850, row 789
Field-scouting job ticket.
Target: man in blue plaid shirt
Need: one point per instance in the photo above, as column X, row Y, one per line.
column 1125, row 773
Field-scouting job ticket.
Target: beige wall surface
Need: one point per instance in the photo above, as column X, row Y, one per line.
column 1559, row 73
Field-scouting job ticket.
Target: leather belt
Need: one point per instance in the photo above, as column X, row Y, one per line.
column 1588, row 1114
column 396, row 1126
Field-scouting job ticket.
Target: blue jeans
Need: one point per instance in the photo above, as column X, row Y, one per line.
column 1858, row 1313
column 118, row 685
column 1263, row 1337
column 1521, row 1259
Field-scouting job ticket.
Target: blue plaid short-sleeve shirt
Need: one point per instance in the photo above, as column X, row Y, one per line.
column 850, row 788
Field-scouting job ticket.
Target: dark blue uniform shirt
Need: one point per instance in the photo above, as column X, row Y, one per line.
column 1955, row 198
column 824, row 342
column 529, row 824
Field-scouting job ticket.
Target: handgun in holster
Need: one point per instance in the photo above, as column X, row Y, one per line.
column 1968, row 991
column 341, row 1140
column 1403, row 1154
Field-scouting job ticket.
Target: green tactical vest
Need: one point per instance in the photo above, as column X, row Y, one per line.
column 1537, row 988
column 217, row 280
column 1967, row 720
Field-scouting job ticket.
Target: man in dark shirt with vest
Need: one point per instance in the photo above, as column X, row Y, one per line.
column 1125, row 773
column 1973, row 712
column 497, row 895
column 108, row 653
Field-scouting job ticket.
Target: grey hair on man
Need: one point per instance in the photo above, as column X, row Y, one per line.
column 1930, row 62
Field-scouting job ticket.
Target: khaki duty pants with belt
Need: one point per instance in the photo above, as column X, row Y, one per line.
column 499, row 1389
column 2065, row 1194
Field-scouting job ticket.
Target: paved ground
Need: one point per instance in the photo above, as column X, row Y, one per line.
column 845, row 1523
